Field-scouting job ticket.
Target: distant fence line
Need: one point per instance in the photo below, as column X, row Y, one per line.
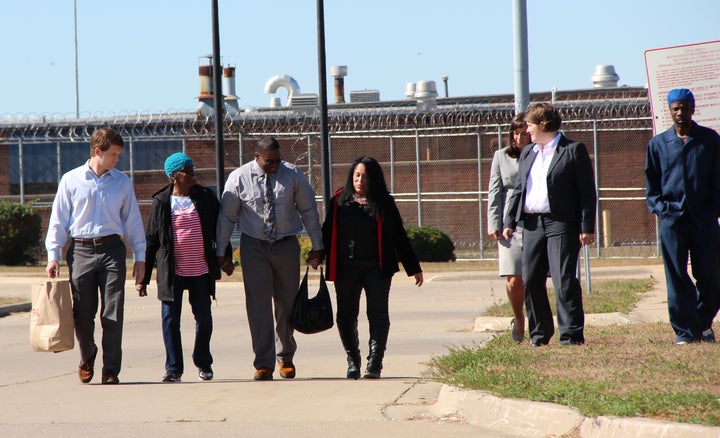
column 437, row 163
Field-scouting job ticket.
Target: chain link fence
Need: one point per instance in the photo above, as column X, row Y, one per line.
column 436, row 164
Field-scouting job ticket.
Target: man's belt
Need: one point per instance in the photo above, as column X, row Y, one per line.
column 96, row 241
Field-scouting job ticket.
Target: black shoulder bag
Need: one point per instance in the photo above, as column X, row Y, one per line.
column 312, row 315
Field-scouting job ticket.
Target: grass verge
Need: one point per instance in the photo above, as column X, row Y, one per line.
column 607, row 296
column 627, row 371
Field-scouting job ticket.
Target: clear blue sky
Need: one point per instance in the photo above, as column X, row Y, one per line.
column 143, row 56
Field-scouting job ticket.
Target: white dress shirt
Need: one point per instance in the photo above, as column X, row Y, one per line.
column 536, row 196
column 88, row 206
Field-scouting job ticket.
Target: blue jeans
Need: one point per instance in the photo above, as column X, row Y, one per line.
column 199, row 294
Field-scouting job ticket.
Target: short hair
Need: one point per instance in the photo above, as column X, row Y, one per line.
column 267, row 144
column 103, row 138
column 544, row 112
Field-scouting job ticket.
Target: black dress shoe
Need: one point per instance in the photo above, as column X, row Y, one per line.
column 571, row 342
column 537, row 343
column 110, row 379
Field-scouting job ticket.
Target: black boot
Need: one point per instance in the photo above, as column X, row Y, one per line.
column 349, row 338
column 378, row 340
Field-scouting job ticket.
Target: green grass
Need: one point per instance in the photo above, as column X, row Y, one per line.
column 628, row 371
column 607, row 296
column 4, row 301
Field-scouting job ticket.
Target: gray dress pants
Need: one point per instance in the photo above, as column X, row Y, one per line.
column 271, row 276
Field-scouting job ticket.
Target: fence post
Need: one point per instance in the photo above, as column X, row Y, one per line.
column 58, row 148
column 392, row 164
column 241, row 149
column 597, row 186
column 22, row 171
column 417, row 177
column 480, row 197
column 310, row 163
column 132, row 173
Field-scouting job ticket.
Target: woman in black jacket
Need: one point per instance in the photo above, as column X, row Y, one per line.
column 180, row 235
column 364, row 237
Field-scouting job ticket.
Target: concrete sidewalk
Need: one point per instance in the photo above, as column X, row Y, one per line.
column 39, row 390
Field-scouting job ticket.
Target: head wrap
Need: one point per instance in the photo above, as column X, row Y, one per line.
column 680, row 94
column 177, row 161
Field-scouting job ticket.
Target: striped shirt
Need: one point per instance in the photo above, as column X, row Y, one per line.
column 187, row 238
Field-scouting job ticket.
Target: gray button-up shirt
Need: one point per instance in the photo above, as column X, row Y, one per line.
column 243, row 203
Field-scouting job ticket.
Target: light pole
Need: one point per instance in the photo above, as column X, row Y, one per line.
column 218, row 99
column 77, row 83
column 322, row 77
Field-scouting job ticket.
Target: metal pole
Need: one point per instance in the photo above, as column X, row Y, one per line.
column 417, row 178
column 58, row 151
column 322, row 89
column 22, row 171
column 218, row 99
column 310, row 160
column 520, row 51
column 77, row 80
column 392, row 164
column 597, row 185
column 241, row 149
column 131, row 160
column 481, row 222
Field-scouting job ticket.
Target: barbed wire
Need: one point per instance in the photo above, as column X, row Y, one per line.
column 611, row 107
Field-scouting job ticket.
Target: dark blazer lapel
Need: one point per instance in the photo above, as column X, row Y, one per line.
column 559, row 152
column 531, row 155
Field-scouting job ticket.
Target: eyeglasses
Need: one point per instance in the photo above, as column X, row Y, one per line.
column 187, row 170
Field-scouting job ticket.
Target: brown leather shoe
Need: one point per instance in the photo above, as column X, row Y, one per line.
column 287, row 370
column 110, row 379
column 86, row 371
column 263, row 373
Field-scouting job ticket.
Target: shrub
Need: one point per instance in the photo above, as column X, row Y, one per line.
column 20, row 228
column 431, row 244
column 305, row 248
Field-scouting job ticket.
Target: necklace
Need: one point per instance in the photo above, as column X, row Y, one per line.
column 359, row 199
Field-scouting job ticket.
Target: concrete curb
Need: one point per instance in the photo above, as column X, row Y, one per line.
column 532, row 419
column 7, row 309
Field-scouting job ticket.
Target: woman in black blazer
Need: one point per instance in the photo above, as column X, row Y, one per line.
column 364, row 238
column 555, row 199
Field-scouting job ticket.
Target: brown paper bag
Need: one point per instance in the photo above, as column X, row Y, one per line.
column 51, row 319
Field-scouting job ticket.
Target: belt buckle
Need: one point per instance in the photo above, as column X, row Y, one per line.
column 97, row 241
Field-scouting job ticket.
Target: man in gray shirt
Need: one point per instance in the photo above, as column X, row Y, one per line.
column 270, row 200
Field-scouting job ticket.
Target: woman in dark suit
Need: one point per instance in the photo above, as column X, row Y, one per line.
column 364, row 237
column 555, row 199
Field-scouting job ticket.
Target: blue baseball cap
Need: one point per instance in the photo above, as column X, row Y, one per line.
column 177, row 161
column 680, row 94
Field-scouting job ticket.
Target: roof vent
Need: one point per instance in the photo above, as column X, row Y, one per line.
column 605, row 76
column 282, row 81
column 231, row 100
column 339, row 72
column 303, row 103
column 410, row 90
column 426, row 95
column 365, row 96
